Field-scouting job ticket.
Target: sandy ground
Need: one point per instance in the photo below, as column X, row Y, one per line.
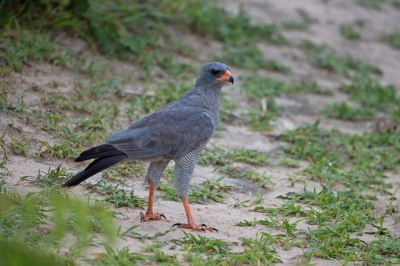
column 328, row 16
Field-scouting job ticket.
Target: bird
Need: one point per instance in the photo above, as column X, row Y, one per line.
column 177, row 132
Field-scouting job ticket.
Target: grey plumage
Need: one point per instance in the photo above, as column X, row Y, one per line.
column 178, row 131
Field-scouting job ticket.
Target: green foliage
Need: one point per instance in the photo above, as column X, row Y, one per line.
column 118, row 196
column 43, row 221
column 349, row 32
column 118, row 257
column 249, row 56
column 284, row 161
column 209, row 190
column 292, row 24
column 396, row 3
column 260, row 249
column 346, row 112
column 324, row 56
column 218, row 156
column 313, row 88
column 372, row 95
column 202, row 244
column 329, row 151
column 53, row 178
column 374, row 4
column 393, row 39
column 19, row 48
column 257, row 87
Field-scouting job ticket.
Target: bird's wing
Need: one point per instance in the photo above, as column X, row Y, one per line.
column 172, row 132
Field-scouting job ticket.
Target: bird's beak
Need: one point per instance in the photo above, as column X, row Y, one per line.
column 227, row 77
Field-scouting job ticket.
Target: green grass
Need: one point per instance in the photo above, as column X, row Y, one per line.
column 292, row 24
column 393, row 39
column 20, row 47
column 373, row 4
column 329, row 151
column 373, row 95
column 249, row 56
column 348, row 31
column 346, row 112
column 323, row 56
column 43, row 220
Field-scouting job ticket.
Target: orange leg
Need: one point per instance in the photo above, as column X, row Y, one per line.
column 149, row 215
column 191, row 224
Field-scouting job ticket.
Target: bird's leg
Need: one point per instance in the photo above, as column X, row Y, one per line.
column 149, row 215
column 191, row 224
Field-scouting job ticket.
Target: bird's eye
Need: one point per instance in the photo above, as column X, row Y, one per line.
column 214, row 71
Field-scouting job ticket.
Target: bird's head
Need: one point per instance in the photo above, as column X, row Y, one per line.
column 214, row 73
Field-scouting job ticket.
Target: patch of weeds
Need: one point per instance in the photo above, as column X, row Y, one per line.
column 169, row 191
column 348, row 31
column 349, row 210
column 257, row 87
column 346, row 112
column 326, row 243
column 202, row 244
column 18, row 49
column 284, row 161
column 164, row 93
column 324, row 56
column 292, row 24
column 387, row 245
column 45, row 220
column 4, row 149
column 393, row 39
column 218, row 156
column 126, row 169
column 117, row 257
column 65, row 149
column 248, row 156
column 19, row 106
column 314, row 88
column 208, row 18
column 20, row 146
column 372, row 95
column 381, row 230
column 374, row 4
column 211, row 189
column 160, row 256
column 396, row 3
column 288, row 208
column 117, row 195
column 256, row 199
column 249, row 56
column 260, row 119
column 120, row 199
column 260, row 250
column 261, row 179
column 246, row 223
column 329, row 151
column 50, row 179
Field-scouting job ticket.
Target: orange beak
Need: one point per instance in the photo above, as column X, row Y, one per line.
column 226, row 77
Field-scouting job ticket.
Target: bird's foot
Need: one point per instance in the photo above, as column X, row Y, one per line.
column 200, row 227
column 147, row 217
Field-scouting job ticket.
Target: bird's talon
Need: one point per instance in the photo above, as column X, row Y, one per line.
column 204, row 225
column 202, row 229
column 177, row 224
column 162, row 215
column 214, row 229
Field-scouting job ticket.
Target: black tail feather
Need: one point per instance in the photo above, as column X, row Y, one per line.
column 95, row 167
column 104, row 150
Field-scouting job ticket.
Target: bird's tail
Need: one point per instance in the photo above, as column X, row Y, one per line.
column 106, row 156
